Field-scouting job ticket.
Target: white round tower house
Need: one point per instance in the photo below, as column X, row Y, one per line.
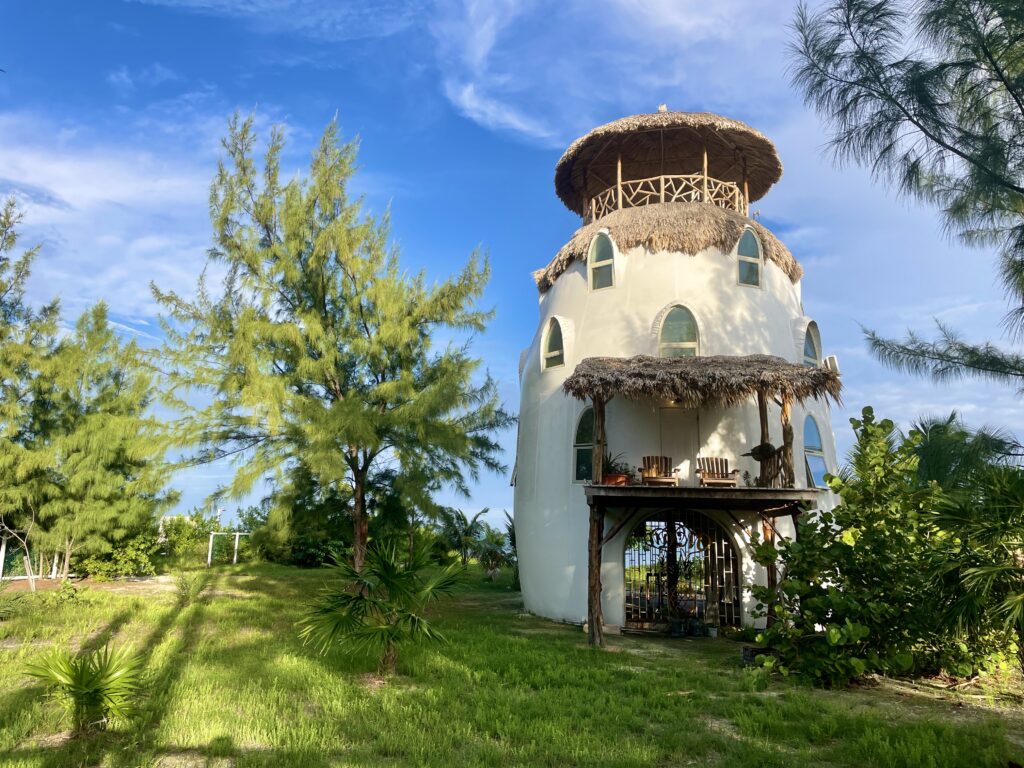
column 674, row 399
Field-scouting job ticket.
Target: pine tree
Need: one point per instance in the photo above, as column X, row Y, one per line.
column 319, row 348
column 106, row 449
column 930, row 96
column 27, row 340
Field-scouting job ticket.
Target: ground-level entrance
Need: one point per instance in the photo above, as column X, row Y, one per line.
column 678, row 558
column 680, row 568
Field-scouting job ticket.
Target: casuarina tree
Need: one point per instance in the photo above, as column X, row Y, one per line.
column 317, row 346
column 930, row 97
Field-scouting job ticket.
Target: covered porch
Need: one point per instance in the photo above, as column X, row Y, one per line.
column 695, row 382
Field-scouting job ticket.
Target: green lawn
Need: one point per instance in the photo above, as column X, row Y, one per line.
column 231, row 686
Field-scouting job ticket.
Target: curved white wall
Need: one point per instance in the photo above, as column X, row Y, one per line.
column 551, row 515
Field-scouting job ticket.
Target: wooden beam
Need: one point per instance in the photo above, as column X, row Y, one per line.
column 762, row 412
column 788, row 475
column 768, row 532
column 618, row 179
column 595, row 616
column 704, row 199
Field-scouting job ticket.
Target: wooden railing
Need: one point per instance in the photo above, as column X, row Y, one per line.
column 689, row 188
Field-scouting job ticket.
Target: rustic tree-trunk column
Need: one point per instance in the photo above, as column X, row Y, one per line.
column 618, row 180
column 768, row 532
column 599, row 442
column 788, row 475
column 595, row 617
column 762, row 412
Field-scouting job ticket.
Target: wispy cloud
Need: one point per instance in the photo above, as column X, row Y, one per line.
column 126, row 80
column 336, row 21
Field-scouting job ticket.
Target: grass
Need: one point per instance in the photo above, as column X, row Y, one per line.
column 230, row 685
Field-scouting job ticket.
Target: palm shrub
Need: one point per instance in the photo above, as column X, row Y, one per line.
column 983, row 576
column 8, row 602
column 381, row 607
column 190, row 586
column 97, row 686
column 492, row 551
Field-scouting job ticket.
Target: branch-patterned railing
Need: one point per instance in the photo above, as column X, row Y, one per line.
column 689, row 188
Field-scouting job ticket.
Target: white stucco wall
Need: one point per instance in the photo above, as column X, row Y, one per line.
column 551, row 515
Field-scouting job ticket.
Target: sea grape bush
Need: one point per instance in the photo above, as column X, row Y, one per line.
column 859, row 591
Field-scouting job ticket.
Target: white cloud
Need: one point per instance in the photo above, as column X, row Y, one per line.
column 328, row 20
column 126, row 80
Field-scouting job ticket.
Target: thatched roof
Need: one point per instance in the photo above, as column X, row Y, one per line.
column 666, row 142
column 722, row 381
column 684, row 227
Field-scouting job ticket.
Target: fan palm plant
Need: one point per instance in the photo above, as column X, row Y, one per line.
column 381, row 607
column 462, row 532
column 97, row 686
column 8, row 602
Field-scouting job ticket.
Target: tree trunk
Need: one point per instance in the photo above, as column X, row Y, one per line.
column 68, row 546
column 28, row 572
column 389, row 661
column 360, row 525
column 595, row 619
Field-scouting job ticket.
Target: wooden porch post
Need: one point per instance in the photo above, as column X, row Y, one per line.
column 762, row 412
column 599, row 441
column 788, row 474
column 595, row 617
column 768, row 533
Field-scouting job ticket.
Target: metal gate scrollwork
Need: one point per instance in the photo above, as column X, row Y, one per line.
column 680, row 565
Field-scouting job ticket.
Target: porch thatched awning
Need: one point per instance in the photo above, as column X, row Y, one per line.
column 724, row 381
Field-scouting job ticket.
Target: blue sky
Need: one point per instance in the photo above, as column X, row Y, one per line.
column 111, row 113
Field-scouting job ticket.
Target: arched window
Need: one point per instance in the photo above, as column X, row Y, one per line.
column 748, row 253
column 812, row 357
column 602, row 262
column 554, row 351
column 678, row 334
column 814, row 455
column 583, row 448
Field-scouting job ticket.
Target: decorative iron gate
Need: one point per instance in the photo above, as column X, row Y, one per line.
column 678, row 564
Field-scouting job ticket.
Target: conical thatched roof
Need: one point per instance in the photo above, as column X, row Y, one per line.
column 693, row 382
column 666, row 143
column 684, row 227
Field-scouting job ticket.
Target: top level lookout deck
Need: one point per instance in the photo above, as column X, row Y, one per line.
column 664, row 157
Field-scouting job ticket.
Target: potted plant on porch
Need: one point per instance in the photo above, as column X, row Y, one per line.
column 615, row 470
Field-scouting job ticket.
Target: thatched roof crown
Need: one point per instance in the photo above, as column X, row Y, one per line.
column 666, row 143
column 722, row 381
column 683, row 227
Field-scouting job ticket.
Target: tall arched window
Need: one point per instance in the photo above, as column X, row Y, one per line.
column 554, row 351
column 678, row 334
column 601, row 262
column 748, row 253
column 583, row 448
column 812, row 356
column 814, row 454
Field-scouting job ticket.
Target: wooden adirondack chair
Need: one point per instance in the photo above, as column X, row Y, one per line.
column 657, row 470
column 714, row 472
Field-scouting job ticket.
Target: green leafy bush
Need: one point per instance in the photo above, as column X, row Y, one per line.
column 132, row 557
column 96, row 686
column 859, row 591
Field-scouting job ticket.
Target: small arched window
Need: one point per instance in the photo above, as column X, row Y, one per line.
column 812, row 356
column 748, row 253
column 814, row 455
column 678, row 334
column 554, row 350
column 583, row 448
column 601, row 262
